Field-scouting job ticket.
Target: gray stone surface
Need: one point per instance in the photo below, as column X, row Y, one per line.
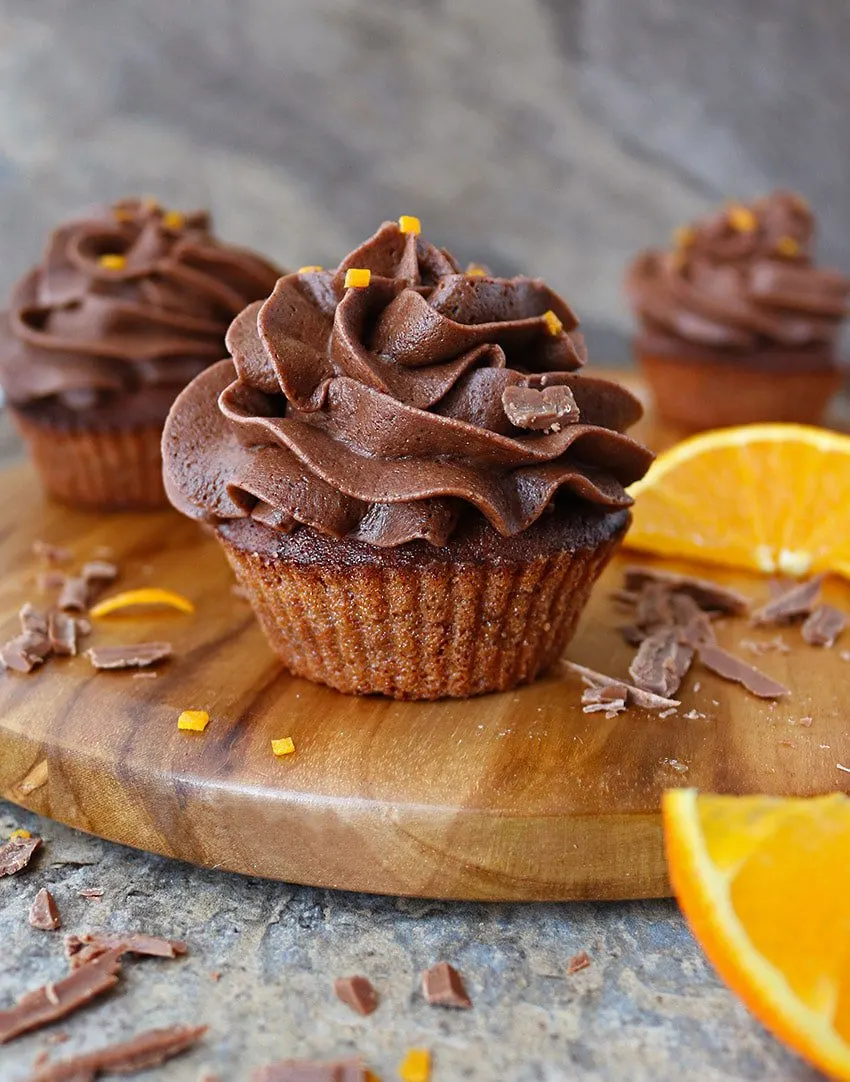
column 648, row 1009
column 740, row 96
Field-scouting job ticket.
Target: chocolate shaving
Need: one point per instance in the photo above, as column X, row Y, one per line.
column 91, row 892
column 16, row 854
column 578, row 962
column 661, row 662
column 638, row 696
column 57, row 1000
column 32, row 646
column 707, row 594
column 443, row 986
column 99, row 571
column 300, row 1070
column 790, row 604
column 44, row 913
column 135, row 655
column 357, row 993
column 732, row 668
column 62, row 632
column 149, row 1049
column 75, row 594
column 540, row 409
column 823, row 626
column 51, row 554
column 632, row 634
column 80, row 950
column 654, row 607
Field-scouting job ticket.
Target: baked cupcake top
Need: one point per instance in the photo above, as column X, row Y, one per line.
column 382, row 400
column 742, row 280
column 128, row 304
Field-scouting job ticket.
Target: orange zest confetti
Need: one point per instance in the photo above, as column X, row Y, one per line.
column 150, row 595
column 683, row 237
column 741, row 218
column 194, row 721
column 21, row 833
column 284, row 746
column 311, row 268
column 416, row 1066
column 787, row 246
column 357, row 277
column 475, row 270
column 407, row 223
column 112, row 261
column 173, row 219
column 553, row 324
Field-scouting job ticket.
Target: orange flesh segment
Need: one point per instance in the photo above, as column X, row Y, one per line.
column 763, row 883
column 150, row 595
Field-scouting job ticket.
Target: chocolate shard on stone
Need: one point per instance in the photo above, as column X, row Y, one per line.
column 16, row 854
column 357, row 993
column 44, row 913
column 708, row 595
column 134, row 655
column 824, row 625
column 149, row 1049
column 538, row 410
column 732, row 668
column 790, row 604
column 82, row 949
column 60, row 998
column 443, row 986
column 293, row 1070
column 661, row 662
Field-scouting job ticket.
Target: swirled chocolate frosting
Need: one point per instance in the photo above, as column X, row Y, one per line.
column 127, row 306
column 742, row 281
column 382, row 413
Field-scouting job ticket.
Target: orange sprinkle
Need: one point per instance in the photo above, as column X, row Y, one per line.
column 475, row 270
column 112, row 261
column 683, row 237
column 21, row 833
column 122, row 214
column 173, row 219
column 150, row 595
column 408, row 224
column 310, row 269
column 787, row 246
column 357, row 277
column 193, row 720
column 284, row 746
column 741, row 218
column 416, row 1066
column 553, row 324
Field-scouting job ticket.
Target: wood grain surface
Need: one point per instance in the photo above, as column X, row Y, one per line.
column 512, row 796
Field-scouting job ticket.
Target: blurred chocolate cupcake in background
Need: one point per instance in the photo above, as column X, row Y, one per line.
column 128, row 305
column 737, row 324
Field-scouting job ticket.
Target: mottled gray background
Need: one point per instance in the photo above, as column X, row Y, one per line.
column 549, row 136
column 537, row 135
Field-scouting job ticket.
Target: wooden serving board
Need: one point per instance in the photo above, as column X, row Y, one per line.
column 512, row 796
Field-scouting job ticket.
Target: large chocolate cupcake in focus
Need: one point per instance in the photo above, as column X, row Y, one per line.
column 128, row 305
column 737, row 324
column 412, row 482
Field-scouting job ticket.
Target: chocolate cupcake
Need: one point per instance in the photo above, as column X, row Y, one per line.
column 736, row 323
column 411, row 481
column 128, row 305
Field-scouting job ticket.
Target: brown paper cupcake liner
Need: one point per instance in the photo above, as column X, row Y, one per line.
column 697, row 394
column 420, row 632
column 110, row 471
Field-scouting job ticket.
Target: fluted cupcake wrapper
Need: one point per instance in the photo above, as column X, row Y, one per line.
column 109, row 471
column 697, row 394
column 431, row 631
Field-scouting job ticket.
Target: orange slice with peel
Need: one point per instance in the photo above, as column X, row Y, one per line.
column 773, row 498
column 763, row 883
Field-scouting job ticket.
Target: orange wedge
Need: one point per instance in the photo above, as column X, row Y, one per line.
column 763, row 883
column 770, row 498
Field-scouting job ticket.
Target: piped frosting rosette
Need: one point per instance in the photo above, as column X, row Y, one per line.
column 383, row 400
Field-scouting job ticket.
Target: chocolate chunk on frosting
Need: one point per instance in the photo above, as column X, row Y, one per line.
column 741, row 280
column 127, row 298
column 378, row 414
